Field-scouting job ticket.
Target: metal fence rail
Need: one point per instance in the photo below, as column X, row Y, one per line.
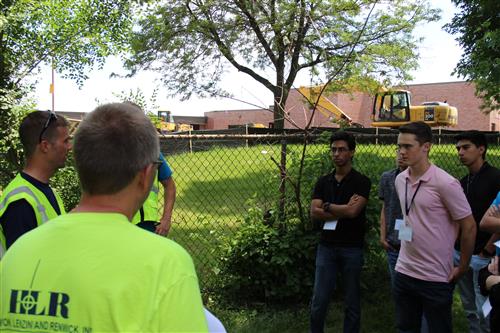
column 219, row 176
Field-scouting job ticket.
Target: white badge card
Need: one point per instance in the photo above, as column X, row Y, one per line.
column 399, row 223
column 330, row 225
column 405, row 233
column 486, row 307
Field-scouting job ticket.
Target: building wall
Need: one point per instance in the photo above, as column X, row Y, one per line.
column 359, row 107
column 222, row 119
column 459, row 94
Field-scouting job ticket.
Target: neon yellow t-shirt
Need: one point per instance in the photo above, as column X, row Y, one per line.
column 97, row 272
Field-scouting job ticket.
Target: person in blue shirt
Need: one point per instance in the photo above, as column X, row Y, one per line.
column 491, row 219
column 167, row 180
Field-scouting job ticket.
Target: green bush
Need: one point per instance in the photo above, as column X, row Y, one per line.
column 262, row 263
column 13, row 109
column 67, row 185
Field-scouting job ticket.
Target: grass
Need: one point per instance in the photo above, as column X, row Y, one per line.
column 377, row 316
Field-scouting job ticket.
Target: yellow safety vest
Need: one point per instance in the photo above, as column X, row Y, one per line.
column 149, row 210
column 19, row 188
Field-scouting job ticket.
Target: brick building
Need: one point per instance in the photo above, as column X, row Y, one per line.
column 359, row 106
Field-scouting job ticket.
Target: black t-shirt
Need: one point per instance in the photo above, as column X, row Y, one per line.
column 349, row 232
column 20, row 215
column 480, row 189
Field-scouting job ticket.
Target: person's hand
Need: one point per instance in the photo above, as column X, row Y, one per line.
column 164, row 227
column 385, row 244
column 456, row 273
column 493, row 266
column 353, row 200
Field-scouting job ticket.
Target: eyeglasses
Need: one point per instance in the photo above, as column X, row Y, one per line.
column 340, row 150
column 52, row 117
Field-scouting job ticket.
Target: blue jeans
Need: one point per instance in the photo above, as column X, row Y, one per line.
column 415, row 297
column 348, row 261
column 472, row 300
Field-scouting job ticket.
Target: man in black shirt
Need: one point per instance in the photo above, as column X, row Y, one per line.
column 28, row 200
column 338, row 202
column 481, row 186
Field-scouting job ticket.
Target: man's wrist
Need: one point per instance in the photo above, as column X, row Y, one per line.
column 326, row 207
column 487, row 253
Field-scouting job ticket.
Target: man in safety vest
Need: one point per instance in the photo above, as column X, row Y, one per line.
column 147, row 217
column 28, row 201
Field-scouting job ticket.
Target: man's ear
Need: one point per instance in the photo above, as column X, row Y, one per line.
column 145, row 175
column 427, row 146
column 44, row 146
column 482, row 149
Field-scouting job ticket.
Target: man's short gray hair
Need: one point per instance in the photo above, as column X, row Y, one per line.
column 112, row 144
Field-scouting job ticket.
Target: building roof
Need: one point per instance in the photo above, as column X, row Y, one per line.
column 192, row 120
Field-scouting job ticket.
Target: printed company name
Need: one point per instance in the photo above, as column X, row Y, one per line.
column 39, row 303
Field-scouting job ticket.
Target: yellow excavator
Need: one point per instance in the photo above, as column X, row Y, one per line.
column 166, row 123
column 329, row 109
column 392, row 108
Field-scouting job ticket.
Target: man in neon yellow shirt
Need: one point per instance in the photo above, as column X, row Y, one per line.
column 91, row 270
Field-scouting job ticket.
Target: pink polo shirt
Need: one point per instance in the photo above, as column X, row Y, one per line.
column 439, row 201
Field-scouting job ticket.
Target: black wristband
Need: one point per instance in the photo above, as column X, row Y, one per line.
column 326, row 207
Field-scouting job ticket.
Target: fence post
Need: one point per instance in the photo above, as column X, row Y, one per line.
column 190, row 143
column 439, row 131
column 282, row 183
column 376, row 135
column 246, row 132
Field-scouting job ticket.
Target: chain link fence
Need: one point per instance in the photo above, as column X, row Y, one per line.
column 219, row 177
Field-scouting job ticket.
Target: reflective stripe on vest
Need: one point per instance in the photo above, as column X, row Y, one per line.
column 28, row 191
column 20, row 188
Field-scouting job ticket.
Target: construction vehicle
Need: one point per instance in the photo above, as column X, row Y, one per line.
column 166, row 123
column 392, row 108
column 324, row 105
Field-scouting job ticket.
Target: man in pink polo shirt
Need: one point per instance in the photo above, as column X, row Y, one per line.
column 435, row 213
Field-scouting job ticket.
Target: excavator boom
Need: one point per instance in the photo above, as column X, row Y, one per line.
column 324, row 104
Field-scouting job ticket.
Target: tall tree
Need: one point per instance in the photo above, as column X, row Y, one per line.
column 72, row 35
column 191, row 42
column 477, row 25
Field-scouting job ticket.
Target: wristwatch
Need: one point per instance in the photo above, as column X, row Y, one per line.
column 326, row 207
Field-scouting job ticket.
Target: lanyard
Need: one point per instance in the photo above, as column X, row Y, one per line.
column 407, row 208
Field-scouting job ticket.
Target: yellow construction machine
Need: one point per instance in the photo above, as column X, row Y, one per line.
column 329, row 109
column 166, row 123
column 392, row 108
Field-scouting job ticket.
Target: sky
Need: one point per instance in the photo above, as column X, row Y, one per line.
column 439, row 53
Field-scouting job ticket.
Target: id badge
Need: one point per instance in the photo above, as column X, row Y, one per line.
column 405, row 233
column 330, row 225
column 399, row 223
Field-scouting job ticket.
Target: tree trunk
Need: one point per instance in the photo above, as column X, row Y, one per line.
column 280, row 97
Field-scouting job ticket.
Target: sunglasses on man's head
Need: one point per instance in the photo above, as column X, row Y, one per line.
column 52, row 117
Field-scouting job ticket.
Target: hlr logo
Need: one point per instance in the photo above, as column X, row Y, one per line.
column 34, row 302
